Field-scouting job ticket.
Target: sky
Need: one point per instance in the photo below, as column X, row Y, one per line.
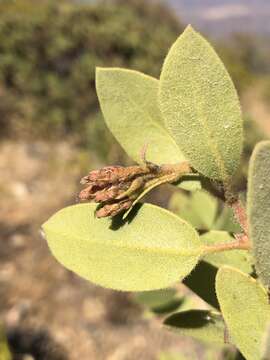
column 222, row 17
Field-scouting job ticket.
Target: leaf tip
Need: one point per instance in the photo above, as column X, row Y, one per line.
column 42, row 232
column 189, row 28
column 189, row 31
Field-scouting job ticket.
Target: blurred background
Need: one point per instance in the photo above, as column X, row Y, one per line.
column 52, row 133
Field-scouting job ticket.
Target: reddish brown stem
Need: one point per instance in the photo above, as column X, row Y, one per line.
column 240, row 214
column 240, row 243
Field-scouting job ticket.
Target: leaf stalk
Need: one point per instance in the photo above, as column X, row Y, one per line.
column 241, row 242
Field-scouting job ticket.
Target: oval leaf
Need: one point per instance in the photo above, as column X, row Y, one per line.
column 226, row 221
column 202, row 325
column 133, row 256
column 244, row 305
column 259, row 208
column 155, row 298
column 240, row 259
column 129, row 103
column 200, row 106
column 160, row 301
column 198, row 208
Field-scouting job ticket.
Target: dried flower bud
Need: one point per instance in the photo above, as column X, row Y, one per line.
column 111, row 193
column 89, row 192
column 116, row 187
column 114, row 174
column 114, row 208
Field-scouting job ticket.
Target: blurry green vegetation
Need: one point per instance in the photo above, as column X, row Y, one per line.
column 159, row 302
column 4, row 350
column 49, row 51
column 247, row 58
column 266, row 90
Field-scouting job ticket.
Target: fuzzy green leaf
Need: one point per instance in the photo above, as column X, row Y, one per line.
column 155, row 298
column 198, row 208
column 226, row 221
column 259, row 208
column 160, row 301
column 200, row 106
column 240, row 259
column 128, row 101
column 244, row 305
column 134, row 256
column 202, row 325
column 265, row 351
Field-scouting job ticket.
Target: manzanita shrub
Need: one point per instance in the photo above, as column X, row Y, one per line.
column 184, row 129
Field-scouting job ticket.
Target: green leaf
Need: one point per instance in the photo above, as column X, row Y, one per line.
column 134, row 256
column 202, row 282
column 159, row 301
column 200, row 106
column 265, row 351
column 155, row 298
column 202, row 325
column 198, row 208
column 128, row 101
column 226, row 221
column 259, row 208
column 244, row 305
column 240, row 259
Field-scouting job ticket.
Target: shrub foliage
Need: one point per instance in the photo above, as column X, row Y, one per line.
column 49, row 51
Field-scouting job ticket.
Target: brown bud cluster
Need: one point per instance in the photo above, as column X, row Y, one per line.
column 116, row 187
